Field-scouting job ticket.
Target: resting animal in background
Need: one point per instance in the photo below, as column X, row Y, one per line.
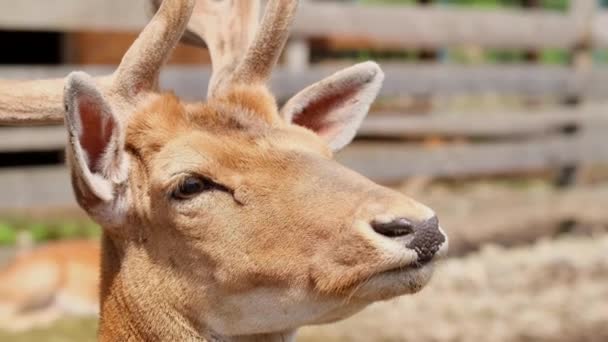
column 56, row 280
column 229, row 220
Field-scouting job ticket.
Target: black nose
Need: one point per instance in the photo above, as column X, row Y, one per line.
column 427, row 238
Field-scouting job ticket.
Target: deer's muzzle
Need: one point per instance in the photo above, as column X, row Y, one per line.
column 426, row 237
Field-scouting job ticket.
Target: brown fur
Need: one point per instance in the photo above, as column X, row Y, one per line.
column 50, row 281
column 280, row 235
column 263, row 233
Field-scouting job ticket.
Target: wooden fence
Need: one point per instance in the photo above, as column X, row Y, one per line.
column 407, row 27
column 389, row 149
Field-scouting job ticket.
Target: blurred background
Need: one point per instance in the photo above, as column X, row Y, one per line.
column 493, row 112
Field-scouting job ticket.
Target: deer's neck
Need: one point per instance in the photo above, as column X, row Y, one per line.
column 134, row 309
column 130, row 310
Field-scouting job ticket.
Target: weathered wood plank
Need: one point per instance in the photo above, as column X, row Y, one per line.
column 26, row 139
column 70, row 15
column 436, row 27
column 35, row 187
column 392, row 162
column 401, row 26
column 504, row 125
column 383, row 162
column 401, row 79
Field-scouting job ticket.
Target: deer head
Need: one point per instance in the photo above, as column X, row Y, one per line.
column 229, row 219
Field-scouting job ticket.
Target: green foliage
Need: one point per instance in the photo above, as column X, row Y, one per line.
column 554, row 56
column 46, row 230
column 459, row 55
column 40, row 232
column 8, row 235
column 556, row 4
column 500, row 56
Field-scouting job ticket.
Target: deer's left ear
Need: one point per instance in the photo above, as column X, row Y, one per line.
column 95, row 147
column 335, row 107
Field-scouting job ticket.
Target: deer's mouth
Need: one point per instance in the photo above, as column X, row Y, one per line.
column 397, row 281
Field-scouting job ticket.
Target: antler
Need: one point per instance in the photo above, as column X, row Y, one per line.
column 140, row 67
column 31, row 102
column 41, row 101
column 239, row 51
column 268, row 44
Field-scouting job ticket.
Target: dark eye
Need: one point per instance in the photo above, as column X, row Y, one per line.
column 190, row 187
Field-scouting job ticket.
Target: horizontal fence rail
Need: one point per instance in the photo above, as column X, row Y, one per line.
column 392, row 162
column 401, row 80
column 490, row 126
column 47, row 186
column 393, row 125
column 36, row 139
column 397, row 26
column 382, row 161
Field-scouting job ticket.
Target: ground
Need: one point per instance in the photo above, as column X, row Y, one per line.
column 554, row 290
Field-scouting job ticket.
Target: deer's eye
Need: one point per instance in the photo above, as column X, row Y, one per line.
column 190, row 187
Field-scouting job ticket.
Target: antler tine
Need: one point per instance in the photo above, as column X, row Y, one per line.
column 239, row 51
column 268, row 44
column 141, row 65
column 31, row 102
column 229, row 38
column 227, row 29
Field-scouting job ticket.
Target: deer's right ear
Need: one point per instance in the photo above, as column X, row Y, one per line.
column 335, row 107
column 95, row 146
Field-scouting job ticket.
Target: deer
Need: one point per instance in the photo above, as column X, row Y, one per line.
column 48, row 283
column 229, row 219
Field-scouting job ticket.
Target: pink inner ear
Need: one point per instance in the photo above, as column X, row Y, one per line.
column 322, row 114
column 96, row 132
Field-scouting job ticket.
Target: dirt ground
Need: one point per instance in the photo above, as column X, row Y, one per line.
column 555, row 290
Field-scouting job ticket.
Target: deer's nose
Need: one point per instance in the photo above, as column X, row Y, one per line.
column 426, row 240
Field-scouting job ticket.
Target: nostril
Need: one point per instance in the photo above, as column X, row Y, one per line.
column 394, row 228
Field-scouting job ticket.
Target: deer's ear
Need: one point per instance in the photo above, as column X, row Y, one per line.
column 335, row 107
column 95, row 146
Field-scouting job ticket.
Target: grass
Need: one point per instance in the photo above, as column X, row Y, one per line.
column 68, row 330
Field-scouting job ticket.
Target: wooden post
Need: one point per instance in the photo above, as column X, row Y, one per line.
column 426, row 54
column 297, row 55
column 417, row 184
column 581, row 13
column 531, row 55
